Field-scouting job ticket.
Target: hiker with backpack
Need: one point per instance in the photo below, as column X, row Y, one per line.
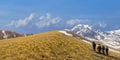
column 94, row 45
column 99, row 48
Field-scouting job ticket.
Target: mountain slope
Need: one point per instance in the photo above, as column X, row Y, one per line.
column 114, row 32
column 49, row 46
column 4, row 34
column 88, row 32
column 109, row 38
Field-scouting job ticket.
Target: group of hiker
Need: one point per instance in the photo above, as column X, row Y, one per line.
column 101, row 49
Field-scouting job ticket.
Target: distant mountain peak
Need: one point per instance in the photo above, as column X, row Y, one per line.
column 87, row 31
column 114, row 32
column 4, row 34
column 109, row 38
column 81, row 26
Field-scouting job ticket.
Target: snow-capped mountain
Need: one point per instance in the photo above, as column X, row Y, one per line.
column 113, row 38
column 114, row 32
column 88, row 31
column 4, row 34
column 109, row 38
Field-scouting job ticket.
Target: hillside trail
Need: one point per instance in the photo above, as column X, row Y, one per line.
column 88, row 41
column 112, row 50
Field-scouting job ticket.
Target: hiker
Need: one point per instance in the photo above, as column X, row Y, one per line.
column 106, row 50
column 103, row 49
column 99, row 48
column 94, row 45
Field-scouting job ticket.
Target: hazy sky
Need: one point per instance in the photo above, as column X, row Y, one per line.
column 33, row 16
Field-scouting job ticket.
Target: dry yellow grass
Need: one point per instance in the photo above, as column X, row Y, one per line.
column 49, row 46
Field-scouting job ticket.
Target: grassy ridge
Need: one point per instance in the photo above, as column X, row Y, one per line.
column 49, row 46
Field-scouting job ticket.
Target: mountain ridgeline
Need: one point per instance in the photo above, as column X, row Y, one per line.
column 88, row 31
column 5, row 34
column 110, row 38
column 52, row 45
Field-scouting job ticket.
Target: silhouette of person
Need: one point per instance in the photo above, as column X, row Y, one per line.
column 103, row 49
column 94, row 45
column 99, row 48
column 107, row 49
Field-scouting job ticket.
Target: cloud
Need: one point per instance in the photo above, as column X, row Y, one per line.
column 102, row 24
column 43, row 23
column 40, row 22
column 73, row 22
column 21, row 22
column 77, row 21
column 47, row 20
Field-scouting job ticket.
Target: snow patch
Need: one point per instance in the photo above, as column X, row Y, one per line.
column 64, row 32
column 114, row 51
column 86, row 41
column 4, row 33
column 116, row 32
column 111, row 44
